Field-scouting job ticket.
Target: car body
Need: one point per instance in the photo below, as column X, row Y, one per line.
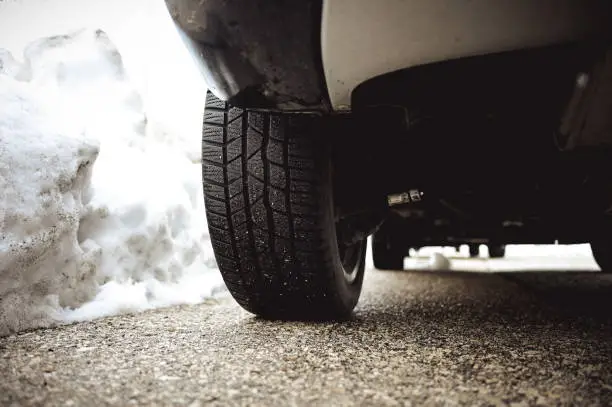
column 443, row 122
column 312, row 54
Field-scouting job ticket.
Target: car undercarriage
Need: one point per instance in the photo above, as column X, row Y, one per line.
column 452, row 133
column 450, row 154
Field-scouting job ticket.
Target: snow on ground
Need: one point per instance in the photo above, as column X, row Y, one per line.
column 98, row 216
column 518, row 258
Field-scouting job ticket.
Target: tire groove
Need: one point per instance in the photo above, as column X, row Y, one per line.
column 255, row 177
column 266, row 201
column 215, row 182
column 214, row 198
column 232, row 121
column 218, row 184
column 219, row 144
column 226, row 257
column 216, row 213
column 256, row 130
column 293, row 215
column 253, row 154
column 212, row 163
column 290, row 217
column 213, row 124
column 230, row 222
column 248, row 205
column 219, row 228
column 232, row 213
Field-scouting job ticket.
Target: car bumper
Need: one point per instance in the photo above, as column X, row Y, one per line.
column 363, row 39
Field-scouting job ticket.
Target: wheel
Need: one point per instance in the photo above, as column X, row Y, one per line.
column 474, row 250
column 385, row 251
column 268, row 197
column 497, row 251
column 603, row 254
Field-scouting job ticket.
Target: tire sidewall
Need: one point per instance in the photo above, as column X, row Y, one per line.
column 346, row 294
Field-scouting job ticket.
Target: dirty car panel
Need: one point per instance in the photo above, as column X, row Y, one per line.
column 267, row 51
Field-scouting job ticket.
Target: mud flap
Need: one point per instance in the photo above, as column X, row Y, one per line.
column 587, row 121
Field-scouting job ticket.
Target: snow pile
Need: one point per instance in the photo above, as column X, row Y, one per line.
column 159, row 66
column 8, row 65
column 44, row 178
column 96, row 218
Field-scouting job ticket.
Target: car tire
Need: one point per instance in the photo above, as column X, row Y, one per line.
column 385, row 251
column 269, row 205
column 602, row 254
column 474, row 250
column 497, row 251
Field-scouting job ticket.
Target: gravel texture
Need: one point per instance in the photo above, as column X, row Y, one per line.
column 417, row 338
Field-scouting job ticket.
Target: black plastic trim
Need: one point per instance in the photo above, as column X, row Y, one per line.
column 257, row 53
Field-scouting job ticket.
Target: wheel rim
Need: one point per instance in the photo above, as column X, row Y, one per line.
column 350, row 257
column 350, row 254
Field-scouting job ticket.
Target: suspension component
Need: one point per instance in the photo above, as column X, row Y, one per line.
column 412, row 196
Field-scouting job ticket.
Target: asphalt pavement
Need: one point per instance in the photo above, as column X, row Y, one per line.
column 417, row 338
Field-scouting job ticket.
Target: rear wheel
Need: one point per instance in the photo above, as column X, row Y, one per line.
column 603, row 254
column 270, row 210
column 474, row 250
column 497, row 251
column 386, row 252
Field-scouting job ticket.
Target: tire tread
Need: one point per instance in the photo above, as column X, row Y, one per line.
column 269, row 238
